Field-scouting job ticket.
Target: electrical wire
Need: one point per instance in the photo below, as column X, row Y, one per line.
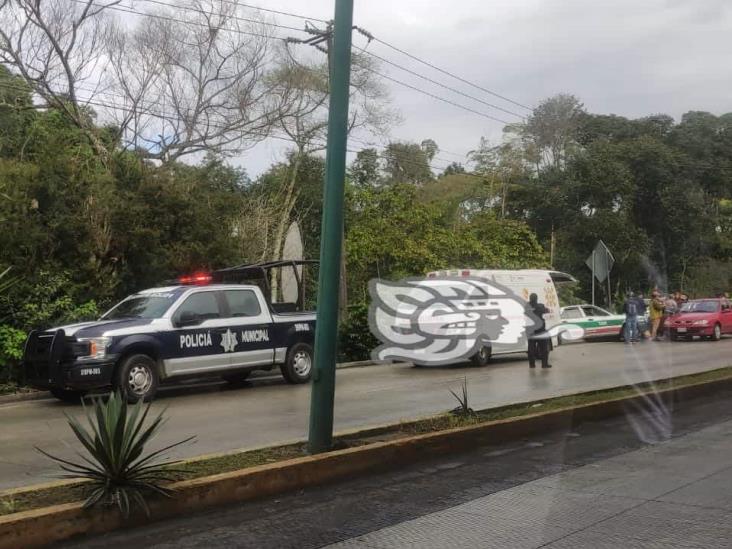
column 447, row 73
column 238, row 31
column 194, row 9
column 432, row 81
column 433, row 96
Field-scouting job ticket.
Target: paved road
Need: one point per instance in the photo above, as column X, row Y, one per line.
column 269, row 411
column 606, row 484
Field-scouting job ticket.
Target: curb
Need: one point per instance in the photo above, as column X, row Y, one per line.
column 41, row 395
column 20, row 397
column 39, row 527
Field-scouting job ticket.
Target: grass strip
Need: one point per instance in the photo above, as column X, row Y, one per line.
column 197, row 468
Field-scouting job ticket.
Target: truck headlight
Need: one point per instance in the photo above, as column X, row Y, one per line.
column 97, row 346
column 700, row 322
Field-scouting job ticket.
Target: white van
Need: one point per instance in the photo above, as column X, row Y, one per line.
column 523, row 283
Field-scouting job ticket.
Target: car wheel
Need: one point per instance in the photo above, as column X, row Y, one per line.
column 137, row 378
column 717, row 333
column 298, row 366
column 482, row 357
column 67, row 395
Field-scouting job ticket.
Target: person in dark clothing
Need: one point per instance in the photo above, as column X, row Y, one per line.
column 539, row 343
column 631, row 308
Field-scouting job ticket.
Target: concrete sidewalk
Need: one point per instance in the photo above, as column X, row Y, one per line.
column 672, row 494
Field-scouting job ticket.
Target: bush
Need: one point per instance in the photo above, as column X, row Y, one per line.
column 355, row 340
column 11, row 351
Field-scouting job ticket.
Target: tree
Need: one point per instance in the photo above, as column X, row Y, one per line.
column 551, row 132
column 364, row 169
column 57, row 47
column 453, row 168
column 193, row 81
column 305, row 88
column 407, row 163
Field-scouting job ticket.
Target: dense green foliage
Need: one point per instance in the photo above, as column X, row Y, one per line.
column 81, row 231
column 657, row 192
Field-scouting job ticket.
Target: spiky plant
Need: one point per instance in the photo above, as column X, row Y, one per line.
column 463, row 408
column 117, row 467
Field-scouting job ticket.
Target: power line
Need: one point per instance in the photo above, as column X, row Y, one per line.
column 445, row 72
column 238, row 31
column 286, row 13
column 178, row 20
column 428, row 79
column 194, row 9
column 433, row 96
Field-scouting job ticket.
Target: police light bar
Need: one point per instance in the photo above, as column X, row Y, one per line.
column 196, row 278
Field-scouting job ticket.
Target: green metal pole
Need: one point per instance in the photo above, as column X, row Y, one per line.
column 326, row 332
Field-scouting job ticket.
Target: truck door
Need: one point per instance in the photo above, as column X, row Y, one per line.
column 194, row 344
column 249, row 329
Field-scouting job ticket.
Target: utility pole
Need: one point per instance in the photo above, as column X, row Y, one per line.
column 326, row 331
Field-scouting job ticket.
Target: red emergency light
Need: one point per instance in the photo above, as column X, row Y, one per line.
column 199, row 278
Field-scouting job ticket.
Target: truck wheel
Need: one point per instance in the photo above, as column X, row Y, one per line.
column 482, row 357
column 137, row 378
column 298, row 366
column 67, row 395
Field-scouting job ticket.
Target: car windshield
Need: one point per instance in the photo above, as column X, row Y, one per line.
column 141, row 306
column 700, row 307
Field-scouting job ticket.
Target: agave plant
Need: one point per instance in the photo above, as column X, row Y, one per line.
column 117, row 467
column 464, row 408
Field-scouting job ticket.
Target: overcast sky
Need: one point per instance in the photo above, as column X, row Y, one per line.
column 626, row 57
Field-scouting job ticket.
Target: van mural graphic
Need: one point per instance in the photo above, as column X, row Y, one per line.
column 438, row 321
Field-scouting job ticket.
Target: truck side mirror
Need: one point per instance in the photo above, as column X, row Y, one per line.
column 188, row 318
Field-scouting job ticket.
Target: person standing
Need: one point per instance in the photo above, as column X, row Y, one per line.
column 539, row 341
column 656, row 313
column 631, row 310
column 669, row 309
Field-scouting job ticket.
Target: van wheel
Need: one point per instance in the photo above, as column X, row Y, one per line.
column 482, row 357
column 67, row 395
column 137, row 378
column 298, row 366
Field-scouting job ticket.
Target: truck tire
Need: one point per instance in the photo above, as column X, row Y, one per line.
column 482, row 357
column 298, row 366
column 137, row 378
column 67, row 395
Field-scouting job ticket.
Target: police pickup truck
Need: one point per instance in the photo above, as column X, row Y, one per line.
column 222, row 324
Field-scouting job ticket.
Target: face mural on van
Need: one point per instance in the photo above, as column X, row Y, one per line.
column 437, row 321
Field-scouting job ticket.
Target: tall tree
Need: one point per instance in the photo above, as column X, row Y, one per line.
column 407, row 163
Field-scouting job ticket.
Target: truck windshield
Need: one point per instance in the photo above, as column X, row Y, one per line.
column 141, row 306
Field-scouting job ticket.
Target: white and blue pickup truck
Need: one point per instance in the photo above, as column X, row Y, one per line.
column 222, row 324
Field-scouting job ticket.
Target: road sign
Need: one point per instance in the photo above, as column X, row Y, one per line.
column 600, row 261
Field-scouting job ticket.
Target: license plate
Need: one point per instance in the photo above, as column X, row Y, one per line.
column 681, row 330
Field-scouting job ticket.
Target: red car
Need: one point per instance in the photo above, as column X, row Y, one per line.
column 706, row 318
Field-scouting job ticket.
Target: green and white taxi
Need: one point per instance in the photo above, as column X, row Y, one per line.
column 595, row 321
